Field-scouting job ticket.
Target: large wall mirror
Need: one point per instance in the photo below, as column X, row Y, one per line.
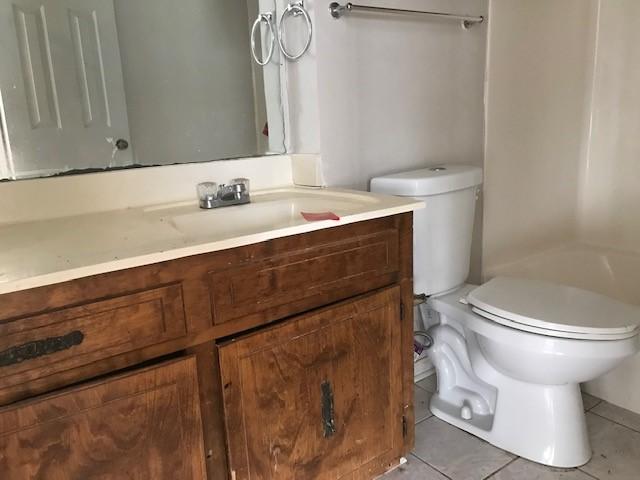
column 89, row 85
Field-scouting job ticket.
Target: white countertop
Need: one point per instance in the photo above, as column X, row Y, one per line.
column 44, row 252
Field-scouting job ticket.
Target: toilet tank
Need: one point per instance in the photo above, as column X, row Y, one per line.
column 442, row 231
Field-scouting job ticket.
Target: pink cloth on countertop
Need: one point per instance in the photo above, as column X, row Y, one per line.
column 314, row 217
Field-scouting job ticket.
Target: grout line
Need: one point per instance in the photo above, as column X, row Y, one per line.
column 428, row 464
column 425, row 418
column 613, row 421
column 594, row 406
column 424, row 388
column 587, row 474
column 500, row 469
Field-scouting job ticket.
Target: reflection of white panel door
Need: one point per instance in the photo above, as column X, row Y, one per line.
column 61, row 84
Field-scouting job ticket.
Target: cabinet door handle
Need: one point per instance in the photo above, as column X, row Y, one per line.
column 328, row 420
column 39, row 348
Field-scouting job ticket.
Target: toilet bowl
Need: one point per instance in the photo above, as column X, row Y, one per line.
column 519, row 389
column 509, row 354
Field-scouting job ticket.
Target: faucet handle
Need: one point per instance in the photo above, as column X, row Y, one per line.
column 242, row 181
column 207, row 194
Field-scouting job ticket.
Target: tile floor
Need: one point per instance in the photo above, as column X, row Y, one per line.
column 444, row 452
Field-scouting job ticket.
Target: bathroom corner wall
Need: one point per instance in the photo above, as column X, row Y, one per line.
column 539, row 77
column 562, row 147
column 611, row 192
column 611, row 175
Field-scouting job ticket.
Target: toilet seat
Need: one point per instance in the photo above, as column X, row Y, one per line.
column 554, row 310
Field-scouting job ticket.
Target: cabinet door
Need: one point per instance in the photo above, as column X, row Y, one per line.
column 142, row 425
column 318, row 396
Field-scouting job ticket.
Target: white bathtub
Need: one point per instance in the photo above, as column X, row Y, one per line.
column 612, row 273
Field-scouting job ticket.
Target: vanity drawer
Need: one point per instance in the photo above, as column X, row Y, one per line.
column 41, row 345
column 286, row 284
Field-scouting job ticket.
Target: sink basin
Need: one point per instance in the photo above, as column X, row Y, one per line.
column 268, row 211
column 246, row 219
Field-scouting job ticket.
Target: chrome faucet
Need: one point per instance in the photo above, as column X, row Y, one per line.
column 210, row 195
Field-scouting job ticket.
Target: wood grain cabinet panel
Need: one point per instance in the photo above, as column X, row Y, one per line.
column 299, row 280
column 37, row 346
column 319, row 396
column 144, row 425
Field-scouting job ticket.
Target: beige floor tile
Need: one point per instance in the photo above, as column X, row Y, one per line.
column 589, row 401
column 421, row 403
column 414, row 469
column 429, row 384
column 619, row 415
column 616, row 450
column 523, row 469
column 455, row 453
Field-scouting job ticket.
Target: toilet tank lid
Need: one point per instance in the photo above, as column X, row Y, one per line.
column 428, row 181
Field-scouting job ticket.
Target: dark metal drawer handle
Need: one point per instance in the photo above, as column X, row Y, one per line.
column 38, row 348
column 328, row 420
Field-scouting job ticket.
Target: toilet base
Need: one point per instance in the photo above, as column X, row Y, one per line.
column 542, row 423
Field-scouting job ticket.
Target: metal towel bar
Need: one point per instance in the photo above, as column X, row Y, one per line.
column 337, row 10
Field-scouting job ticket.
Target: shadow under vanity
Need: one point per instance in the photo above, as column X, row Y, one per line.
column 289, row 358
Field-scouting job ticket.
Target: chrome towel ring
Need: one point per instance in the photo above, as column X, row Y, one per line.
column 295, row 8
column 268, row 19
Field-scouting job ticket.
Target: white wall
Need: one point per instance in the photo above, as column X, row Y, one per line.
column 382, row 93
column 539, row 79
column 563, row 116
column 399, row 92
column 301, row 81
column 611, row 194
column 188, row 79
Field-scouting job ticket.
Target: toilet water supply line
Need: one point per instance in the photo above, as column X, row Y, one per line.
column 418, row 347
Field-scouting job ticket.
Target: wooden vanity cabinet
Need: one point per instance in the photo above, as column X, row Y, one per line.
column 287, row 359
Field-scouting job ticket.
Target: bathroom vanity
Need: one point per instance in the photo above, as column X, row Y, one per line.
column 289, row 357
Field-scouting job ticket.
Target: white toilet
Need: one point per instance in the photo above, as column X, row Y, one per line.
column 509, row 354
